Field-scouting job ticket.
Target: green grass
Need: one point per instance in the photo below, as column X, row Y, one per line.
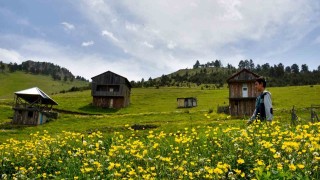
column 147, row 100
column 298, row 96
column 12, row 82
column 216, row 138
column 151, row 100
column 150, row 106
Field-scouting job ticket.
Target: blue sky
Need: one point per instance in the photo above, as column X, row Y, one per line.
column 142, row 39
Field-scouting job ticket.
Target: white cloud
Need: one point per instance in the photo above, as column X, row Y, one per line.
column 131, row 26
column 88, row 43
column 68, row 26
column 87, row 64
column 110, row 35
column 231, row 9
column 207, row 24
column 171, row 45
column 148, row 44
column 186, row 30
column 10, row 56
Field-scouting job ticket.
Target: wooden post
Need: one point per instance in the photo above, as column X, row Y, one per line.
column 294, row 116
column 314, row 115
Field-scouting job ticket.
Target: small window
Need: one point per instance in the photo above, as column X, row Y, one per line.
column 114, row 88
column 30, row 114
column 101, row 88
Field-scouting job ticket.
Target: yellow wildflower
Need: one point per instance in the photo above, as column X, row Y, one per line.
column 260, row 162
column 292, row 167
column 111, row 165
column 301, row 166
column 237, row 171
column 243, row 174
column 240, row 161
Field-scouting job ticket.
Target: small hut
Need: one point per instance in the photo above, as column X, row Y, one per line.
column 32, row 107
column 242, row 93
column 187, row 102
column 110, row 90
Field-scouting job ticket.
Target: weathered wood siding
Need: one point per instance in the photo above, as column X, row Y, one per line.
column 109, row 84
column 243, row 76
column 110, row 90
column 235, row 89
column 110, row 102
column 187, row 102
column 242, row 93
column 28, row 117
column 242, row 107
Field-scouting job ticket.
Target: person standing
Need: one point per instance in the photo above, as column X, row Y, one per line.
column 263, row 109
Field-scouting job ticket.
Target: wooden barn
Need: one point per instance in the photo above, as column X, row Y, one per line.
column 110, row 90
column 32, row 107
column 242, row 93
column 187, row 102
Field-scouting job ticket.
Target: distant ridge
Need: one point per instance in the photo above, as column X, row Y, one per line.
column 50, row 78
column 215, row 74
column 44, row 68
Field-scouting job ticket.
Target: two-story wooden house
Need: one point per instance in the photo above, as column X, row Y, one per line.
column 242, row 93
column 110, row 90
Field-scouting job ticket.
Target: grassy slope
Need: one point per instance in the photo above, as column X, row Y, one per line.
column 156, row 107
column 12, row 82
column 209, row 70
column 147, row 100
column 298, row 96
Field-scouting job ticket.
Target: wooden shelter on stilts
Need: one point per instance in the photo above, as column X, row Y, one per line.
column 33, row 107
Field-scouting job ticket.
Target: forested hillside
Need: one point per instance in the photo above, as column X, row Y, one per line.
column 47, row 76
column 215, row 73
column 43, row 68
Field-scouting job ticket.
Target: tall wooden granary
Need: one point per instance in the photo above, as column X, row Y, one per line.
column 110, row 90
column 242, row 93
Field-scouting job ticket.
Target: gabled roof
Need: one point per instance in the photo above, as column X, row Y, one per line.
column 243, row 70
column 34, row 94
column 109, row 72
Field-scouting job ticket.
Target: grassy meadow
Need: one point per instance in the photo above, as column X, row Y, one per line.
column 171, row 143
column 12, row 82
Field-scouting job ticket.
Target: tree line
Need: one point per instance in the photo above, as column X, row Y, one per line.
column 44, row 68
column 216, row 74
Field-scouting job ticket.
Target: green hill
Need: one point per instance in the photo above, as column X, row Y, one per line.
column 18, row 80
column 215, row 74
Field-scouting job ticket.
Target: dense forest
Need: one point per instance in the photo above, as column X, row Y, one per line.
column 214, row 73
column 44, row 68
